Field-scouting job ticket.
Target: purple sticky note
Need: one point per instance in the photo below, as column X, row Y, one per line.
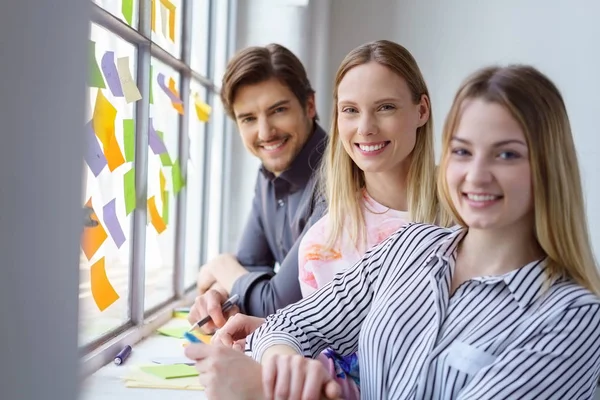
column 161, row 82
column 94, row 157
column 156, row 143
column 112, row 223
column 110, row 73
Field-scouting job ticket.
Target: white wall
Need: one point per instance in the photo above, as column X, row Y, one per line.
column 450, row 39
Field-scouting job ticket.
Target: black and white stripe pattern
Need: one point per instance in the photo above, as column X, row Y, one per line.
column 504, row 337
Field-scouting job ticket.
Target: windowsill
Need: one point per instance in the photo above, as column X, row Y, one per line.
column 107, row 383
column 103, row 356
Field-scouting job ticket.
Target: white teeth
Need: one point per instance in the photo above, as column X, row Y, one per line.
column 482, row 197
column 274, row 146
column 371, row 148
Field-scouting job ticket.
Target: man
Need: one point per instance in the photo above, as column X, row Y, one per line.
column 267, row 93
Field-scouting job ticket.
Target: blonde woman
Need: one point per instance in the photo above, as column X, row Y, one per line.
column 378, row 172
column 504, row 305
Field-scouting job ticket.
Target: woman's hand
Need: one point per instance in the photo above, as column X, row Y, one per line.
column 233, row 333
column 295, row 377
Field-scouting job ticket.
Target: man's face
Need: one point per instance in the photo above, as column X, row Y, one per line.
column 273, row 125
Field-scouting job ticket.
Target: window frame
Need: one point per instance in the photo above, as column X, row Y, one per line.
column 141, row 324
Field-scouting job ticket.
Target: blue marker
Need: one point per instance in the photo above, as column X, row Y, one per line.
column 191, row 338
column 123, row 354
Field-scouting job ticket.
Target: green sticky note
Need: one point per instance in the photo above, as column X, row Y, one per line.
column 95, row 78
column 151, row 86
column 176, row 332
column 178, row 181
column 165, row 210
column 129, row 190
column 171, row 371
column 129, row 138
column 165, row 158
column 127, row 10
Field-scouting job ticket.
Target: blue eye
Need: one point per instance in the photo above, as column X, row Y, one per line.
column 349, row 110
column 509, row 155
column 460, row 152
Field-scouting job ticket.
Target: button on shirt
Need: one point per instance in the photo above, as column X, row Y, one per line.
column 284, row 207
column 514, row 336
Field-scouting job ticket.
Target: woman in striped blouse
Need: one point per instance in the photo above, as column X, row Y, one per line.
column 505, row 305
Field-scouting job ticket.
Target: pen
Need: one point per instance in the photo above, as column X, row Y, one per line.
column 123, row 354
column 232, row 301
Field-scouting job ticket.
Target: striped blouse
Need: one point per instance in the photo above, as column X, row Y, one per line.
column 498, row 337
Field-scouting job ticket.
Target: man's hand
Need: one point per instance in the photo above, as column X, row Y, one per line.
column 210, row 303
column 298, row 378
column 233, row 333
column 226, row 373
column 224, row 269
column 206, row 279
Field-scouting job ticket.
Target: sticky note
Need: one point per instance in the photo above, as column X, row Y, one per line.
column 94, row 74
column 110, row 73
column 162, row 181
column 103, row 119
column 94, row 157
column 203, row 110
column 129, row 191
column 176, row 105
column 178, row 181
column 156, row 143
column 109, row 215
column 127, row 10
column 136, row 378
column 155, row 217
column 165, row 210
column 178, row 332
column 129, row 139
column 130, row 89
column 165, row 159
column 92, row 237
column 172, row 93
column 113, row 154
column 152, row 18
column 173, row 360
column 171, row 371
column 170, row 7
column 102, row 291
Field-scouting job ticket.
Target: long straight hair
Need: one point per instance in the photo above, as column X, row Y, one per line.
column 559, row 209
column 343, row 181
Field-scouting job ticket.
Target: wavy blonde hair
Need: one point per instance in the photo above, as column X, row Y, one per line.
column 559, row 209
column 342, row 180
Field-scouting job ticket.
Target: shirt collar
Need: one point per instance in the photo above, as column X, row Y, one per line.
column 526, row 283
column 306, row 162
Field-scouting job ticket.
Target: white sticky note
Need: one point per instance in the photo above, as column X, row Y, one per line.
column 130, row 89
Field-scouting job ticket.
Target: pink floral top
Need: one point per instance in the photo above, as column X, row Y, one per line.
column 317, row 266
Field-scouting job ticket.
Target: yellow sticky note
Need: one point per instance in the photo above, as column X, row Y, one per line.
column 203, row 110
column 130, row 89
column 155, row 217
column 162, row 180
column 102, row 291
column 136, row 378
column 171, row 371
column 153, row 16
column 103, row 120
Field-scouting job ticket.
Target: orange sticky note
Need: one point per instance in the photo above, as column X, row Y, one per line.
column 113, row 154
column 155, row 218
column 103, row 292
column 172, row 88
column 103, row 119
column 92, row 237
column 171, row 10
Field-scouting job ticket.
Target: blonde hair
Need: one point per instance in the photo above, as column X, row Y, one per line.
column 342, row 180
column 559, row 209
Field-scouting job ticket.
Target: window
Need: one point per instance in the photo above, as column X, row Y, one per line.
column 154, row 134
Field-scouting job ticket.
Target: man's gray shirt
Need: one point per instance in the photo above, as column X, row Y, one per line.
column 283, row 209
